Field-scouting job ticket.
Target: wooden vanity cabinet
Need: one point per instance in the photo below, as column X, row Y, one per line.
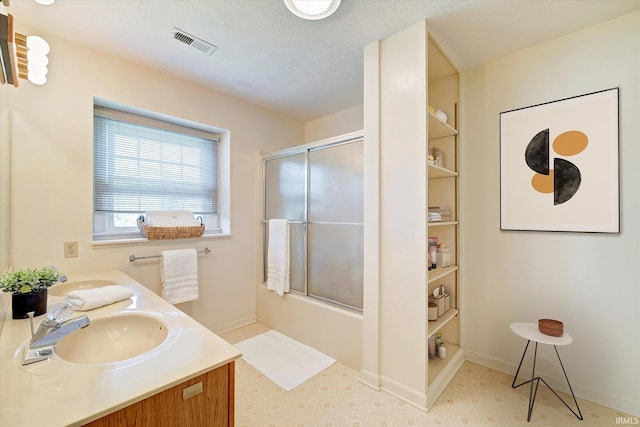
column 182, row 405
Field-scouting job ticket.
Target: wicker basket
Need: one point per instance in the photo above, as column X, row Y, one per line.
column 166, row 233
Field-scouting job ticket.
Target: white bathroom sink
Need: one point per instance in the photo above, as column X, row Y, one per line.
column 62, row 289
column 112, row 339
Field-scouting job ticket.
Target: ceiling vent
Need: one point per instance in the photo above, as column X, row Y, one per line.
column 193, row 41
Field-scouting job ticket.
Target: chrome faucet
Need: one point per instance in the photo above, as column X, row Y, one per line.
column 56, row 326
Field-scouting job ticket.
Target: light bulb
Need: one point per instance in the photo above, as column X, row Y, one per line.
column 38, row 44
column 312, row 9
column 36, row 59
column 37, row 79
column 37, row 68
column 45, row 2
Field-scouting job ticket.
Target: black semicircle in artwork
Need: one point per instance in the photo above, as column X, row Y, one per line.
column 537, row 153
column 566, row 180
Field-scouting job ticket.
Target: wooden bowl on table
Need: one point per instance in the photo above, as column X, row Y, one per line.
column 554, row 328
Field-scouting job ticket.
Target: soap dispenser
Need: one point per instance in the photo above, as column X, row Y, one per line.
column 442, row 351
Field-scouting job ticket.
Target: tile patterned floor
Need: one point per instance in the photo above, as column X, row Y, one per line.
column 477, row 396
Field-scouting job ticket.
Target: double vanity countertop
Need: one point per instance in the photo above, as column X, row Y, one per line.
column 55, row 392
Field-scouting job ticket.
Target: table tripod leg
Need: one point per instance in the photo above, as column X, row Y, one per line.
column 570, row 389
column 513, row 384
column 532, row 393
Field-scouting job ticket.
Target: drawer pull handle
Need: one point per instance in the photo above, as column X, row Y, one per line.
column 192, row 390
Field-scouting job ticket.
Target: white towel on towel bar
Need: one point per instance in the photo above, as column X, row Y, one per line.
column 88, row 299
column 179, row 273
column 278, row 256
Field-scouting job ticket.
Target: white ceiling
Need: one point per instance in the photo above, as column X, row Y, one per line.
column 306, row 69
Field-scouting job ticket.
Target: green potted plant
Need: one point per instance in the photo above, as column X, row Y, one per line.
column 28, row 287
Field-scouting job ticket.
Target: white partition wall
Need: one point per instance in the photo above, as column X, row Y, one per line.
column 397, row 114
column 401, row 72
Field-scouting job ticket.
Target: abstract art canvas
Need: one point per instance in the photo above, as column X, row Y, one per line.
column 559, row 165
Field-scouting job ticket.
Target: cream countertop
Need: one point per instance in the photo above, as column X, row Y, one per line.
column 60, row 393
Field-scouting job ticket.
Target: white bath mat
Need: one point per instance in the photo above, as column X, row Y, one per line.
column 283, row 360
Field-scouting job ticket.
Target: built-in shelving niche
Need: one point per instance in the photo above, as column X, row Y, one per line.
column 443, row 94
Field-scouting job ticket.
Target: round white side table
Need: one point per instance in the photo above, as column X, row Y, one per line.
column 530, row 332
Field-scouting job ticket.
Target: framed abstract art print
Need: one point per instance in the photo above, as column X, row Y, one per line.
column 559, row 165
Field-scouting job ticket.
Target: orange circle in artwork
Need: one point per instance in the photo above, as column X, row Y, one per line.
column 543, row 183
column 570, row 143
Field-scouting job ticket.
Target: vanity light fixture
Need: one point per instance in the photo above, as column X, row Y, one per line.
column 312, row 9
column 37, row 60
column 21, row 57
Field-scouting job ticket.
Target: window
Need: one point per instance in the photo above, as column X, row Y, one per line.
column 142, row 163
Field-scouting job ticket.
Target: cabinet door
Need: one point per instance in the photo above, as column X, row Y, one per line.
column 183, row 405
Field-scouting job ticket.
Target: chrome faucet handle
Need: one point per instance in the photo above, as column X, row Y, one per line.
column 30, row 314
column 58, row 313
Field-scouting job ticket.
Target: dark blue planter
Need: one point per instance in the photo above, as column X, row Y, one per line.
column 21, row 304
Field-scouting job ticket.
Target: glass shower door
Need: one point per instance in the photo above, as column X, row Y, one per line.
column 335, row 224
column 285, row 192
column 320, row 191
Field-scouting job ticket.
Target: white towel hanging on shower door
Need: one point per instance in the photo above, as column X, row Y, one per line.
column 278, row 257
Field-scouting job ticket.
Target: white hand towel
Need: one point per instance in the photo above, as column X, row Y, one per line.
column 88, row 299
column 278, row 256
column 179, row 272
column 171, row 219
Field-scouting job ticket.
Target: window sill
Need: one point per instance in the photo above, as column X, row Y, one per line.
column 142, row 240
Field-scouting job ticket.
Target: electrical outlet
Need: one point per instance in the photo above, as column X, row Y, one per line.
column 70, row 249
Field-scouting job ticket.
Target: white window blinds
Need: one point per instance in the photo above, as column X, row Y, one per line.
column 143, row 164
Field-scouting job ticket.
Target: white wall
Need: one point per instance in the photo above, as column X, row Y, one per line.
column 588, row 281
column 52, row 163
column 345, row 121
column 5, row 169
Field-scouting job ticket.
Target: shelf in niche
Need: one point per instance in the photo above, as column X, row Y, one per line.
column 439, row 128
column 441, row 223
column 437, row 365
column 439, row 273
column 436, row 325
column 439, row 172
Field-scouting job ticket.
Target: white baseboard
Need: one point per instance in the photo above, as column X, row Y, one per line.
column 490, row 362
column 444, row 378
column 370, row 379
column 407, row 394
column 235, row 324
column 413, row 397
column 558, row 383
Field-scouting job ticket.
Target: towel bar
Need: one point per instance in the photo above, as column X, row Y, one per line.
column 266, row 221
column 289, row 221
column 135, row 258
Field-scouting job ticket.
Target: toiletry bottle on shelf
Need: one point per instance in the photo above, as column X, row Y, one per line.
column 443, row 255
column 433, row 243
column 438, row 156
column 432, row 347
column 442, row 351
